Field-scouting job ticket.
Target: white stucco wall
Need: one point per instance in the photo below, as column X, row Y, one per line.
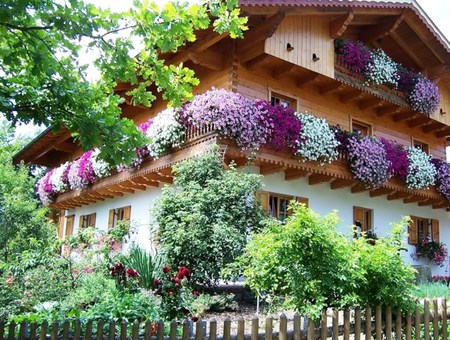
column 321, row 199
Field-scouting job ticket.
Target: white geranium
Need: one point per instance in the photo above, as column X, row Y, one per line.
column 317, row 142
column 165, row 133
column 421, row 172
column 381, row 69
column 58, row 178
column 101, row 168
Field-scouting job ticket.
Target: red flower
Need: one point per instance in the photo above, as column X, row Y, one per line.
column 166, row 269
column 183, row 272
column 132, row 273
column 176, row 281
column 194, row 318
column 117, row 269
column 196, row 293
column 156, row 283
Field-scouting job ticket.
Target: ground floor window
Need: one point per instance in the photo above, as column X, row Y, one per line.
column 363, row 220
column 118, row 214
column 87, row 220
column 421, row 228
column 277, row 205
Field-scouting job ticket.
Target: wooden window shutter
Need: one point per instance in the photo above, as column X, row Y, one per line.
column 127, row 213
column 263, row 199
column 61, row 224
column 80, row 223
column 358, row 215
column 111, row 218
column 69, row 225
column 435, row 230
column 92, row 222
column 303, row 200
column 412, row 231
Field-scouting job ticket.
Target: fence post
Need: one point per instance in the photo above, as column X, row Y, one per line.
column 283, row 326
column 66, row 329
column 408, row 326
column 255, row 328
column 357, row 323
column 311, row 331
column 11, row 330
column 100, row 324
column 417, row 323
column 346, row 324
column 378, row 331
column 2, row 329
column 173, row 330
column 240, row 329
column 297, row 326
column 226, row 328
column 160, row 331
column 324, row 325
column 44, row 330
column 388, row 330
column 212, row 330
column 112, row 330
column 123, row 330
column 88, row 334
column 444, row 319
column 435, row 319
column 368, row 323
column 198, row 330
column 135, row 330
column 23, row 330
column 426, row 326
column 269, row 328
column 398, row 325
column 33, row 327
column 335, row 324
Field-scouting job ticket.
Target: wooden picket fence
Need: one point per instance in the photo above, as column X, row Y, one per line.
column 428, row 322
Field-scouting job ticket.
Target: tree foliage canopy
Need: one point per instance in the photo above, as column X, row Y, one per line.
column 43, row 80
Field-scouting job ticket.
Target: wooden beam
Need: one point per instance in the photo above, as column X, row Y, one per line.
column 319, row 178
column 268, row 168
column 441, row 205
column 349, row 96
column 408, row 51
column 159, row 177
column 341, row 183
column 291, row 174
column 198, row 46
column 418, row 121
column 120, row 188
column 358, row 188
column 334, row 86
column 433, row 126
column 412, row 199
column 368, row 103
column 381, row 192
column 398, row 195
column 210, row 59
column 443, row 133
column 426, row 202
column 283, row 70
column 132, row 185
column 387, row 26
column 251, row 52
column 66, row 147
column 386, row 110
column 145, row 181
column 261, row 32
column 52, row 145
column 339, row 26
column 402, row 115
column 435, row 72
column 109, row 191
column 258, row 61
column 307, row 79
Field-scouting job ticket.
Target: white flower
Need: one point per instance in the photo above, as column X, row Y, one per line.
column 317, row 141
column 421, row 172
column 382, row 69
column 165, row 133
column 101, row 168
column 58, row 178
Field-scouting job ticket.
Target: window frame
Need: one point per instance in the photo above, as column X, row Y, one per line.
column 284, row 97
column 118, row 214
column 367, row 126
column 415, row 234
column 422, row 145
column 88, row 220
column 367, row 215
column 267, row 198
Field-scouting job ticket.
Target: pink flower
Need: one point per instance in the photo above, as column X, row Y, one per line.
column 132, row 273
column 166, row 269
column 183, row 272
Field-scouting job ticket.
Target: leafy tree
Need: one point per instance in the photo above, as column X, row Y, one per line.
column 41, row 78
column 205, row 219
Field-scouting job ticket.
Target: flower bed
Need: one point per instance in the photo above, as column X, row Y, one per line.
column 372, row 161
column 379, row 69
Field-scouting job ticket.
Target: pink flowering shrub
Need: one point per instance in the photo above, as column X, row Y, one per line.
column 398, row 158
column 44, row 188
column 81, row 172
column 368, row 161
column 433, row 251
column 286, row 126
column 232, row 114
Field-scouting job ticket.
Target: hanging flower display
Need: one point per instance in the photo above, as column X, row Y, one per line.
column 81, row 172
column 44, row 188
column 165, row 132
column 59, row 179
column 381, row 69
column 353, row 54
column 316, row 141
column 232, row 114
column 442, row 177
column 100, row 167
column 141, row 153
column 398, row 158
column 421, row 172
column 368, row 161
column 433, row 251
column 424, row 97
column 286, row 126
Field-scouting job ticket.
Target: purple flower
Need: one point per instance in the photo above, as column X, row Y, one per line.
column 424, row 97
column 353, row 55
column 398, row 157
column 442, row 177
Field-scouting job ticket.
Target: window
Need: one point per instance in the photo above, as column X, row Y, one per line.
column 69, row 225
column 285, row 101
column 118, row 214
column 420, row 145
column 277, row 205
column 362, row 219
column 87, row 221
column 421, row 228
column 361, row 128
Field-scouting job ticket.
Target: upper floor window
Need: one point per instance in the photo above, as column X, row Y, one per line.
column 87, row 221
column 363, row 220
column 361, row 128
column 118, row 214
column 421, row 228
column 421, row 145
column 285, row 101
column 277, row 205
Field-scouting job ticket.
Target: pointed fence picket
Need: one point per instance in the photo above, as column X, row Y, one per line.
column 429, row 321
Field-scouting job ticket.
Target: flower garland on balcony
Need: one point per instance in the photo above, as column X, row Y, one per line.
column 377, row 68
column 317, row 141
column 372, row 161
column 368, row 161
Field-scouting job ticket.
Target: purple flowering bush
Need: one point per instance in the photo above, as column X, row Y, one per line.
column 286, row 126
column 44, row 188
column 398, row 158
column 368, row 161
column 442, row 177
column 232, row 114
column 424, row 97
column 353, row 54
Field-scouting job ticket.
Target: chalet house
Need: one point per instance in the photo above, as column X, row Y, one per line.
column 299, row 54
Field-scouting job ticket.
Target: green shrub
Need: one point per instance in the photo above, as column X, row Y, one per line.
column 143, row 263
column 213, row 302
